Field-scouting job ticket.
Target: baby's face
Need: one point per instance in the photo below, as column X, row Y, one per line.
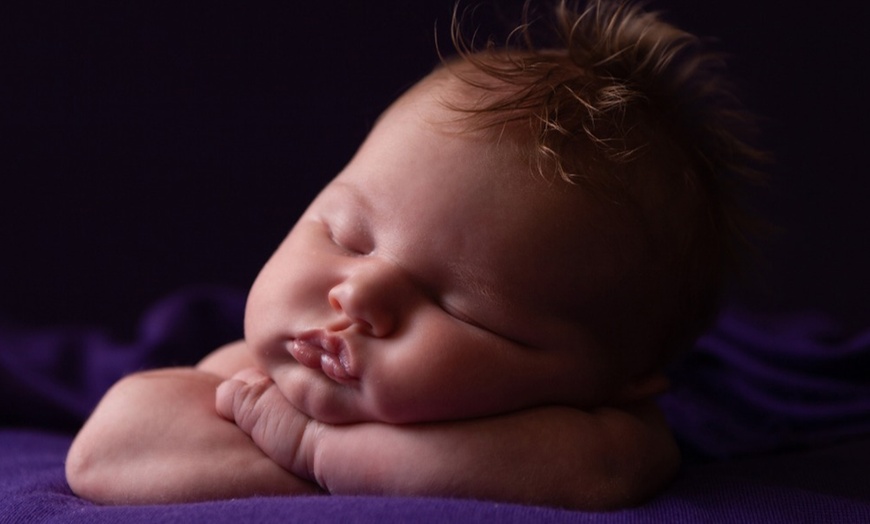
column 435, row 278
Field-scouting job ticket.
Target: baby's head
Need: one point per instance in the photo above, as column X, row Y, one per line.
column 521, row 228
column 633, row 113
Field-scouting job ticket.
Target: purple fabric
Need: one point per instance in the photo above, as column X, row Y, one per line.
column 52, row 378
column 759, row 383
column 788, row 393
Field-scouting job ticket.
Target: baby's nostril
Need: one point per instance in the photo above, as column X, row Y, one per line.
column 334, row 303
column 366, row 325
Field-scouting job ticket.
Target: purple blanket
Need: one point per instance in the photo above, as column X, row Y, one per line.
column 771, row 411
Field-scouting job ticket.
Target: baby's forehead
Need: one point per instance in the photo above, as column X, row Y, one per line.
column 445, row 101
column 455, row 86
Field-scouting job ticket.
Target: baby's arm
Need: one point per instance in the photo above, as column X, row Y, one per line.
column 554, row 455
column 156, row 438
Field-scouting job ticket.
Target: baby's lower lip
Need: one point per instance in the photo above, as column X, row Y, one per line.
column 306, row 354
column 315, row 357
column 334, row 369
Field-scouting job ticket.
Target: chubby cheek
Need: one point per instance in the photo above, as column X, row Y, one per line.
column 445, row 371
column 290, row 291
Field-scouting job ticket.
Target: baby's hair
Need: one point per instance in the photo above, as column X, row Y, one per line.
column 635, row 110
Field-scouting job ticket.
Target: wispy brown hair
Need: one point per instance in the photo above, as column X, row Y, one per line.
column 614, row 99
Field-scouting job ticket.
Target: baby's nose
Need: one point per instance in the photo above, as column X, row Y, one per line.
column 372, row 296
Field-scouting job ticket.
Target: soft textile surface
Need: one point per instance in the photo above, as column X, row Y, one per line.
column 784, row 397
column 827, row 486
column 759, row 383
column 52, row 378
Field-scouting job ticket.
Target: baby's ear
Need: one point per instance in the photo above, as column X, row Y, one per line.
column 644, row 387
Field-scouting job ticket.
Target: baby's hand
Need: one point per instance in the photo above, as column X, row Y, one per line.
column 285, row 434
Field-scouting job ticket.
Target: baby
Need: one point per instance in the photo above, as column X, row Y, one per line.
column 481, row 304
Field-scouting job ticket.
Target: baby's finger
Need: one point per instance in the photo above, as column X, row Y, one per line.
column 250, row 376
column 228, row 390
column 253, row 402
column 223, row 401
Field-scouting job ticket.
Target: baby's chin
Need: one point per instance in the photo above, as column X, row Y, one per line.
column 321, row 397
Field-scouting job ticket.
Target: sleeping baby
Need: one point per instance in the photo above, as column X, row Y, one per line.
column 481, row 304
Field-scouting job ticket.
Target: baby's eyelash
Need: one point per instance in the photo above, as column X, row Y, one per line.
column 335, row 240
column 350, row 247
column 465, row 319
column 458, row 315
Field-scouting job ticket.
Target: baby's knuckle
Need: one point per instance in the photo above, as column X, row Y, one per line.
column 248, row 406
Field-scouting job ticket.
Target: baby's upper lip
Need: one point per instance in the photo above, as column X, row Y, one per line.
column 318, row 348
column 328, row 342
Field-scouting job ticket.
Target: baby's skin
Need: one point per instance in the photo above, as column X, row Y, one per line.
column 422, row 330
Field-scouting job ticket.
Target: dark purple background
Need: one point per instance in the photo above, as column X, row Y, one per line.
column 149, row 146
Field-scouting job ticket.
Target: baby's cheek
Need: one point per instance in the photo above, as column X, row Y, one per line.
column 401, row 400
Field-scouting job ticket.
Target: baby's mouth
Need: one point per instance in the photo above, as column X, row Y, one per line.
column 317, row 349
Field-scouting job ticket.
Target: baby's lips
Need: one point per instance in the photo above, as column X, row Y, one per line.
column 335, row 368
column 319, row 349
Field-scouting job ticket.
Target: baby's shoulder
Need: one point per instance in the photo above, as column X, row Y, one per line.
column 226, row 360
